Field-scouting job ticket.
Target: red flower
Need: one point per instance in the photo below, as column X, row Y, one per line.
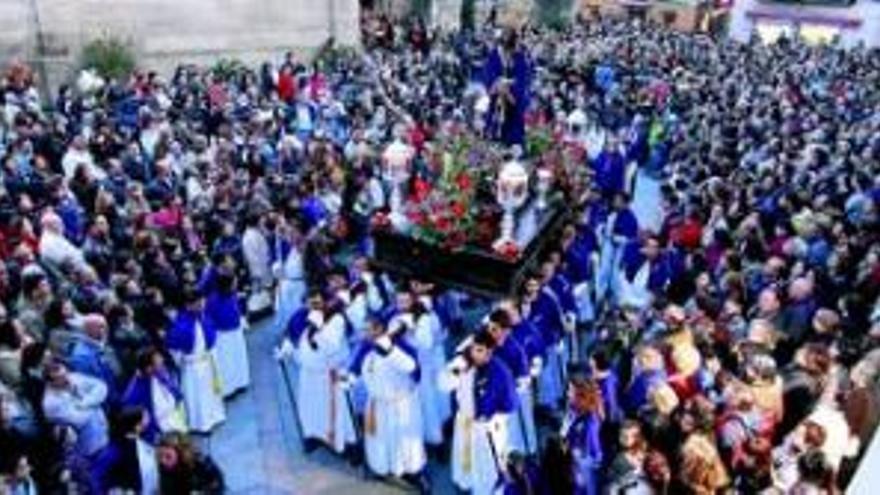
column 443, row 224
column 508, row 250
column 421, row 189
column 417, row 217
column 463, row 181
column 458, row 209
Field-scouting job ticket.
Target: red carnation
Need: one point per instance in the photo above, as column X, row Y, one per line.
column 508, row 250
column 421, row 189
column 463, row 181
column 416, row 217
column 443, row 224
column 458, row 209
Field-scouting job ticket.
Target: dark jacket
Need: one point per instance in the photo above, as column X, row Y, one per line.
column 202, row 477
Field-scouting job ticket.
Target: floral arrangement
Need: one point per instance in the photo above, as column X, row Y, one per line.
column 444, row 206
column 451, row 197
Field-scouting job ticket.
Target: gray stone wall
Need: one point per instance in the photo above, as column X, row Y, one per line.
column 164, row 33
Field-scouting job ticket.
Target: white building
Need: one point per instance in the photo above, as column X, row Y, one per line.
column 857, row 23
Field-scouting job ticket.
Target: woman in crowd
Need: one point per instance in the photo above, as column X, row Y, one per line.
column 183, row 469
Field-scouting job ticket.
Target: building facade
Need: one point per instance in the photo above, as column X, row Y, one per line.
column 50, row 34
column 852, row 23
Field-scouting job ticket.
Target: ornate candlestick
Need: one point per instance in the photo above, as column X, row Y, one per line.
column 396, row 167
column 545, row 180
column 512, row 190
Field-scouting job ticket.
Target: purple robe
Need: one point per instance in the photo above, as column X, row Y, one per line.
column 181, row 335
column 546, row 315
column 366, row 347
column 223, row 311
column 583, row 440
column 494, row 390
column 509, row 128
column 139, row 393
column 610, row 170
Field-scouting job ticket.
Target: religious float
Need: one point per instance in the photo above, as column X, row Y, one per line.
column 472, row 216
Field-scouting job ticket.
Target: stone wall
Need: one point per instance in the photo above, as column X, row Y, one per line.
column 164, row 33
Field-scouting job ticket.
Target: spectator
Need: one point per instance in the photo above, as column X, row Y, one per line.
column 130, row 463
column 55, row 249
column 92, row 356
column 182, row 469
column 76, row 400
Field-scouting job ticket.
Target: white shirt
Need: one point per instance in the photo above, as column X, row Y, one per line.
column 377, row 194
column 256, row 252
column 57, row 250
column 839, row 442
column 80, row 407
column 148, row 467
column 74, row 158
column 293, row 267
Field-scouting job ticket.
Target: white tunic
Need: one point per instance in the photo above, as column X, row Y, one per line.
column 357, row 312
column 291, row 287
column 636, row 292
column 551, row 387
column 201, row 386
column 425, row 337
column 521, row 427
column 375, row 303
column 170, row 416
column 256, row 254
column 608, row 260
column 473, row 462
column 436, row 361
column 232, row 360
column 323, row 407
column 586, row 311
column 393, row 419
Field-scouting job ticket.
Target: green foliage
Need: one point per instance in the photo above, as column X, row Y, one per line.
column 330, row 55
column 539, row 140
column 445, row 211
column 227, row 68
column 110, row 57
column 554, row 14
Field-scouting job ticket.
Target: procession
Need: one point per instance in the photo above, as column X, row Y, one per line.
column 604, row 258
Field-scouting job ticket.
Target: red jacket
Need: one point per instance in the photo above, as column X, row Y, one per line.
column 286, row 87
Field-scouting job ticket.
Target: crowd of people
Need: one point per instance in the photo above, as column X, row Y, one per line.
column 729, row 348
